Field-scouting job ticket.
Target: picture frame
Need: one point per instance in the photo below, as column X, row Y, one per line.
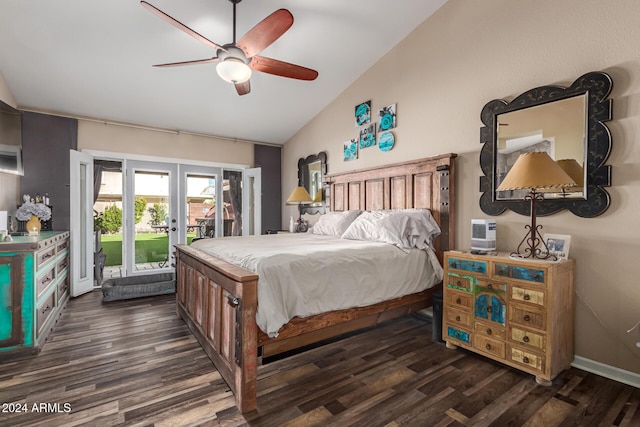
column 558, row 244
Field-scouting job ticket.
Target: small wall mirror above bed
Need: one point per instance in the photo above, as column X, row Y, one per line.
column 311, row 175
column 566, row 123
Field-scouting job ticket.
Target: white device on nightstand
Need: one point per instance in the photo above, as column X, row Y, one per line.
column 483, row 235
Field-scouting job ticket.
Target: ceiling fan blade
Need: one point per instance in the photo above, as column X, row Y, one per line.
column 180, row 25
column 243, row 88
column 282, row 69
column 194, row 62
column 266, row 32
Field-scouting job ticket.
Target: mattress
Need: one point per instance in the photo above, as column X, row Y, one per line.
column 306, row 274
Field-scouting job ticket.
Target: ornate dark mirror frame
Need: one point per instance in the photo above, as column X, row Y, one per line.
column 304, row 181
column 596, row 86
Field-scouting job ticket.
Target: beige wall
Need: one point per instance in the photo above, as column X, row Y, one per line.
column 122, row 139
column 9, row 184
column 471, row 52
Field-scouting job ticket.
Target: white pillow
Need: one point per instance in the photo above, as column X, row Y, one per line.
column 406, row 229
column 334, row 223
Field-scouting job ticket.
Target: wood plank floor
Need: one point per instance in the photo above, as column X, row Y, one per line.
column 135, row 363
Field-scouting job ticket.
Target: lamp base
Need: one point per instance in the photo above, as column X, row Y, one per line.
column 533, row 246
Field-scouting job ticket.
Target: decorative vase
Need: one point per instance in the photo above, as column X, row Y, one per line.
column 33, row 226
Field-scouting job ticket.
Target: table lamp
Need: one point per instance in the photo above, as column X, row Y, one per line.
column 534, row 172
column 300, row 196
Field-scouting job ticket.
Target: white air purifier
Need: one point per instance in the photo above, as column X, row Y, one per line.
column 483, row 235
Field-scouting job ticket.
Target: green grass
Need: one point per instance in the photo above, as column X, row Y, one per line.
column 150, row 247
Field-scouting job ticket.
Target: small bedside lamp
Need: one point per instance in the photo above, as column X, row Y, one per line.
column 300, row 196
column 535, row 171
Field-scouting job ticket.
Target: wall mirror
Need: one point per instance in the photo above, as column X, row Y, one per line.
column 311, row 173
column 567, row 123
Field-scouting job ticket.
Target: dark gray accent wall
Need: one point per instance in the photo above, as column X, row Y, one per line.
column 269, row 159
column 46, row 141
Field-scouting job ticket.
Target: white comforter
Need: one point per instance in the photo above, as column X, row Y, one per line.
column 306, row 274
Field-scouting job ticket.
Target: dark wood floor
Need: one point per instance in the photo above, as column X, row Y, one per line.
column 135, row 363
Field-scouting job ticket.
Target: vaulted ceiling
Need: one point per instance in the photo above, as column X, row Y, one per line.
column 94, row 59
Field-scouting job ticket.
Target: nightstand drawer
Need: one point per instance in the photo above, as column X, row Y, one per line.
column 521, row 273
column 490, row 330
column 468, row 265
column 459, row 300
column 459, row 282
column 459, row 317
column 522, row 336
column 527, row 358
column 527, row 295
column 489, row 345
column 458, row 334
column 528, row 317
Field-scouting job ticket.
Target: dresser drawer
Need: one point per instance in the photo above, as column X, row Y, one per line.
column 63, row 245
column 63, row 264
column 459, row 282
column 488, row 329
column 459, row 300
column 521, row 273
column 467, row 265
column 459, row 317
column 63, row 287
column 528, row 317
column 526, row 337
column 45, row 279
column 44, row 256
column 458, row 334
column 489, row 345
column 528, row 295
column 45, row 309
column 527, row 358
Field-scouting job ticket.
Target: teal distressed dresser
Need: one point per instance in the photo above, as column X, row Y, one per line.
column 34, row 289
column 518, row 312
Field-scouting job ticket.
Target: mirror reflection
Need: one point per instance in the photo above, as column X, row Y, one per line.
column 558, row 128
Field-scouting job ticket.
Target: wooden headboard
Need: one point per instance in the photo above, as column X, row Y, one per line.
column 425, row 183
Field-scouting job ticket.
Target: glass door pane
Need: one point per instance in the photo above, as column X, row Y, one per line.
column 150, row 216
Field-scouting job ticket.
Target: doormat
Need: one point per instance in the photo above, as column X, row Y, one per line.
column 138, row 286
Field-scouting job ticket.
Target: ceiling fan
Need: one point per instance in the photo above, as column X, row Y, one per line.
column 237, row 60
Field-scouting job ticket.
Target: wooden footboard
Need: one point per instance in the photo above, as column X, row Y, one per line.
column 218, row 302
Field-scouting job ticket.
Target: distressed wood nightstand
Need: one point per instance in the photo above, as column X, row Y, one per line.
column 516, row 311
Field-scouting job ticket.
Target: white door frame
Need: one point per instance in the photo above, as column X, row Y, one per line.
column 81, row 222
column 183, row 171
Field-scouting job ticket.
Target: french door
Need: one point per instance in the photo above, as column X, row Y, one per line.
column 151, row 216
column 81, row 220
column 163, row 204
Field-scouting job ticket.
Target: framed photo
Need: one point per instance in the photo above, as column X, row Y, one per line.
column 558, row 244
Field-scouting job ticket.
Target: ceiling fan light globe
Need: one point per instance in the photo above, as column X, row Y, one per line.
column 233, row 70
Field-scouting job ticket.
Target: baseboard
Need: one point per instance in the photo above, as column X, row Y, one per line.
column 607, row 371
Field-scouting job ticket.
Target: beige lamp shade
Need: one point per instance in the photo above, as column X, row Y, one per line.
column 299, row 195
column 535, row 171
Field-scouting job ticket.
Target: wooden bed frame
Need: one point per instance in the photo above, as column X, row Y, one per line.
column 218, row 300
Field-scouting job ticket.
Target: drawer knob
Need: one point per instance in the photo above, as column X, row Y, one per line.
column 459, row 283
column 489, row 309
column 458, row 300
column 526, row 318
column 490, row 286
column 457, row 318
column 525, row 338
column 488, row 346
column 527, row 297
column 454, row 265
column 489, row 331
column 525, row 359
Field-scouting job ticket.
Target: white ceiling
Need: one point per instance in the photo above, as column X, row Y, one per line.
column 94, row 59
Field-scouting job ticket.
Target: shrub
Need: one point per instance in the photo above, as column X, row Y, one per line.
column 158, row 212
column 112, row 219
column 139, row 208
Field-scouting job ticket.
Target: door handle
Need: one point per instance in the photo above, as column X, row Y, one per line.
column 173, row 229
